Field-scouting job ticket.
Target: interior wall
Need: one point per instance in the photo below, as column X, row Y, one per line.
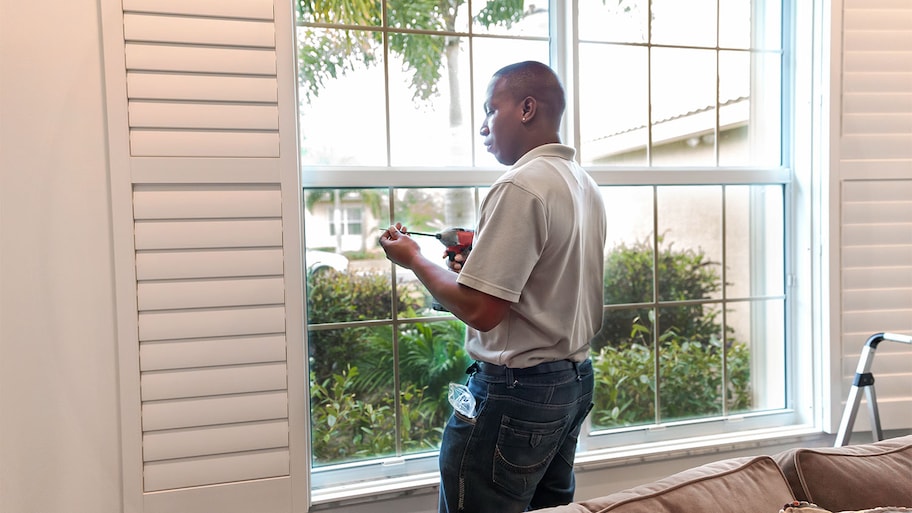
column 59, row 431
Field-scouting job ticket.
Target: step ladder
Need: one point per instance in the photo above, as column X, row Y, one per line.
column 865, row 380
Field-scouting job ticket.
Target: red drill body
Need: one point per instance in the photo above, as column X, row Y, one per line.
column 456, row 240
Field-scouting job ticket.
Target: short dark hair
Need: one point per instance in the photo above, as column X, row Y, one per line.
column 533, row 78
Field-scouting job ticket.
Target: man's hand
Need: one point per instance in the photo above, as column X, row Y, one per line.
column 398, row 246
column 455, row 265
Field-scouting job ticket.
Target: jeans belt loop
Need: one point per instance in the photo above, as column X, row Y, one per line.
column 511, row 382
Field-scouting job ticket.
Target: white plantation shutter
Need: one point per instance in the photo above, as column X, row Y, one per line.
column 206, row 201
column 875, row 190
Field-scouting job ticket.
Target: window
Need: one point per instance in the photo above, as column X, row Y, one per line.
column 680, row 110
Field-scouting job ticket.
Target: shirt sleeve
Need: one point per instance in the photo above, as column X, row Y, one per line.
column 508, row 242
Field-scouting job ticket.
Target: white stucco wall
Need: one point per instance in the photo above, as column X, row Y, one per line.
column 59, row 420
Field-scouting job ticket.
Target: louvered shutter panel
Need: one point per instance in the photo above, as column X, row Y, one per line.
column 875, row 162
column 203, row 146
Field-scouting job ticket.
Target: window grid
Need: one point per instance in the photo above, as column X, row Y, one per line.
column 606, row 175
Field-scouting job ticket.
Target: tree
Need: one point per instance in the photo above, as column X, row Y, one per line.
column 328, row 54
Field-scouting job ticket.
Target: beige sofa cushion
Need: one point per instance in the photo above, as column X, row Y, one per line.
column 750, row 484
column 854, row 477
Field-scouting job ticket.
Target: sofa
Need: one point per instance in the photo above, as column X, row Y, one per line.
column 866, row 477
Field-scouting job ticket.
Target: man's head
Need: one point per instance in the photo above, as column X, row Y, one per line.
column 523, row 109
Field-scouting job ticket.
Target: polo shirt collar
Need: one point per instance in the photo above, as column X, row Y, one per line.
column 547, row 150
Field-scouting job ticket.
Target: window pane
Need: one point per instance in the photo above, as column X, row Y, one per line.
column 613, row 87
column 750, row 109
column 510, row 18
column 683, row 85
column 330, row 81
column 622, row 22
column 420, row 16
column 429, row 118
column 756, row 358
column 623, row 362
column 735, row 28
column 352, row 417
column 690, row 248
column 766, row 28
column 690, row 362
column 629, row 245
column 754, row 241
column 332, row 12
column 431, row 356
column 684, row 22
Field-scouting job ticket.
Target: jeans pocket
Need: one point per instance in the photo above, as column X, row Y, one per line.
column 523, row 452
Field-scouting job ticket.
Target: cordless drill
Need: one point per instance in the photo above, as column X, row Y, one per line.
column 456, row 240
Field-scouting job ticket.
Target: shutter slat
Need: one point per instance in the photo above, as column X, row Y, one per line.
column 203, row 116
column 208, row 264
column 209, row 293
column 200, row 31
column 259, row 495
column 851, row 5
column 877, row 256
column 208, row 234
column 206, row 202
column 878, row 123
column 878, row 299
column 215, row 469
column 212, row 411
column 878, row 103
column 253, row 9
column 881, row 82
column 201, row 87
column 883, row 19
column 877, row 40
column 188, row 443
column 876, row 278
column 171, row 143
column 187, row 383
column 240, row 61
column 877, row 212
column 211, row 323
column 881, row 146
column 875, row 321
column 878, row 190
column 876, row 234
column 211, row 352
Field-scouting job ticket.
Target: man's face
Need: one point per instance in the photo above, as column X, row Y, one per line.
column 502, row 126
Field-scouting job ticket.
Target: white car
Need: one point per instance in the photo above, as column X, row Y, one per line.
column 317, row 261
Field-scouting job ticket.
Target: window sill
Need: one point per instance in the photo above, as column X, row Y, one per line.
column 336, row 497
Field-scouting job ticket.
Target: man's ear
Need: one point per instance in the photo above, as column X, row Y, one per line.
column 528, row 108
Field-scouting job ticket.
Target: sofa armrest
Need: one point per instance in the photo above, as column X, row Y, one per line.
column 735, row 484
column 853, row 477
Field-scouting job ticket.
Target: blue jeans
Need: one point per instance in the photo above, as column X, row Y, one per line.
column 517, row 453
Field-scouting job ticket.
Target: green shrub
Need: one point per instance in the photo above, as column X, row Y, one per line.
column 690, row 385
column 344, row 297
column 681, row 275
column 689, row 341
column 432, row 354
column 352, row 370
column 346, row 428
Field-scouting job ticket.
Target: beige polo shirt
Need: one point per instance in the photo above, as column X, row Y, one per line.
column 540, row 245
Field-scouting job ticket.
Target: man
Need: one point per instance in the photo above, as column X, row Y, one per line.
column 531, row 293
